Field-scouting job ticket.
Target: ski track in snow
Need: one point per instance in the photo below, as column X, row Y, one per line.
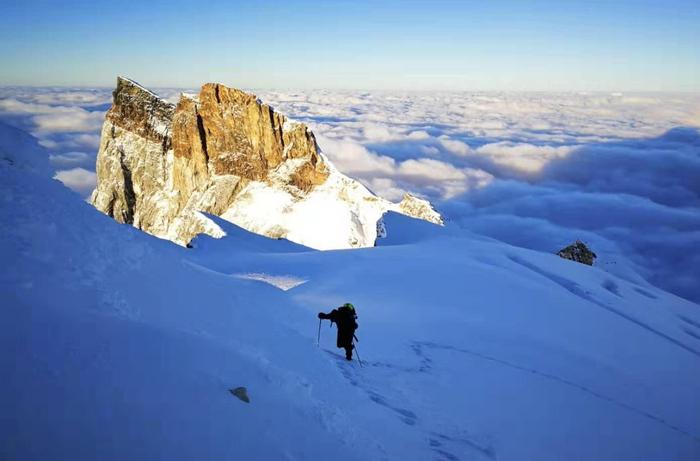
column 690, row 321
column 563, row 381
column 690, row 327
column 645, row 293
column 692, row 333
column 438, row 442
column 574, row 288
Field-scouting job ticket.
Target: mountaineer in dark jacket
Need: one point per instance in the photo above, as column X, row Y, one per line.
column 344, row 317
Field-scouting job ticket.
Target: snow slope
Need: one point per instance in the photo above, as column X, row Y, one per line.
column 124, row 346
column 340, row 213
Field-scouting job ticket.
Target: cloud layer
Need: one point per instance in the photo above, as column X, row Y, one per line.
column 79, row 179
column 621, row 172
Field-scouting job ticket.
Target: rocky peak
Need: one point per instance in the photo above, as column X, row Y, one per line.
column 140, row 111
column 244, row 137
column 419, row 208
column 579, row 252
column 225, row 152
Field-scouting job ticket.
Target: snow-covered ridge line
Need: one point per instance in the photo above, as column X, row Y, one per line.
column 226, row 153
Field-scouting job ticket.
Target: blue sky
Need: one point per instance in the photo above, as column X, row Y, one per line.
column 428, row 45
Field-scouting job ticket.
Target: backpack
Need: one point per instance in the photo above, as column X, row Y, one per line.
column 347, row 311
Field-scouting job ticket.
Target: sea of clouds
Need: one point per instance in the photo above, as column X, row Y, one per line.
column 540, row 170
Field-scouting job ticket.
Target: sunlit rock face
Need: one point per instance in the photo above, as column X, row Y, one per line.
column 419, row 208
column 225, row 153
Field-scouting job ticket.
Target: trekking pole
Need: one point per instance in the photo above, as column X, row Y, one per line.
column 359, row 360
column 318, row 340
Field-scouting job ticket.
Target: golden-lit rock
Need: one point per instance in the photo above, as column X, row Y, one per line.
column 224, row 152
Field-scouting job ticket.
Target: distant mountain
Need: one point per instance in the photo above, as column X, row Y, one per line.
column 226, row 153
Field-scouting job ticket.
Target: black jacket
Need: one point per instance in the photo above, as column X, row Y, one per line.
column 345, row 318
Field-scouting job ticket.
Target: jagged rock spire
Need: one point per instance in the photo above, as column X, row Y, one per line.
column 225, row 152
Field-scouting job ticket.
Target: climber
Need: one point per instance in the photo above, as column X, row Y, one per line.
column 344, row 317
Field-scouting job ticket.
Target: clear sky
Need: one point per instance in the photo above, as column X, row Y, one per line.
column 426, row 45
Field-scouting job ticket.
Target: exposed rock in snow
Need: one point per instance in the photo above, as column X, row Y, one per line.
column 225, row 153
column 419, row 208
column 241, row 393
column 578, row 252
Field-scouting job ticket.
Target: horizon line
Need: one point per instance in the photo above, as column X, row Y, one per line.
column 375, row 89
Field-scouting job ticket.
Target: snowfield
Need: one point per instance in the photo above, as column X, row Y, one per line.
column 117, row 345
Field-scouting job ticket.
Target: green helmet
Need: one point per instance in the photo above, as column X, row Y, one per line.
column 349, row 305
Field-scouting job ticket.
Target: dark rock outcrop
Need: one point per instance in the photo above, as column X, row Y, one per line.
column 578, row 252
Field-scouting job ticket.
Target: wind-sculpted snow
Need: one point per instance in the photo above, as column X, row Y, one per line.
column 539, row 170
column 471, row 349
